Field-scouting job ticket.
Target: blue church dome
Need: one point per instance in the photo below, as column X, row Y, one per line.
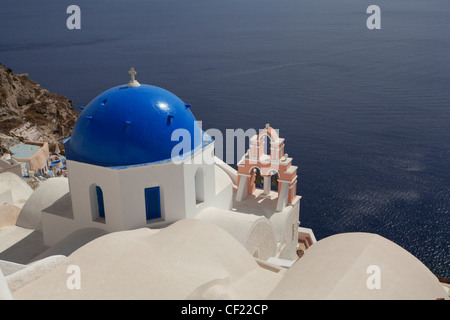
column 130, row 125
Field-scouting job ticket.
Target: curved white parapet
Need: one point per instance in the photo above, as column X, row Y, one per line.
column 34, row 271
column 30, row 216
column 254, row 232
column 232, row 173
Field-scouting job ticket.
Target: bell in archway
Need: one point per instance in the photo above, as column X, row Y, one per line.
column 275, row 180
column 258, row 180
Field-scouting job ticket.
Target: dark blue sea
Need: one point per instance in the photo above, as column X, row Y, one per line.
column 365, row 113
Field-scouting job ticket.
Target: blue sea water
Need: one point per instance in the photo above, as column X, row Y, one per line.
column 365, row 113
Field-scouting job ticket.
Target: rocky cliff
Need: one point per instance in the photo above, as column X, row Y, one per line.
column 29, row 112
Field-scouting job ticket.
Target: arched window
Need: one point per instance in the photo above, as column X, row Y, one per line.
column 267, row 145
column 97, row 203
column 199, row 186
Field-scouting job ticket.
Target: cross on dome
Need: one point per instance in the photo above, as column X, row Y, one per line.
column 133, row 82
column 133, row 73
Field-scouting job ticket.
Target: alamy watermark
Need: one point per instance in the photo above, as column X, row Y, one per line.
column 73, row 282
column 230, row 147
column 374, row 21
column 374, row 279
column 258, row 147
column 74, row 20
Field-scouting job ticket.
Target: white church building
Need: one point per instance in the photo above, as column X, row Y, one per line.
column 126, row 171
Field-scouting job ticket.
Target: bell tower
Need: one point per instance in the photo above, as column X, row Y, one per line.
column 266, row 158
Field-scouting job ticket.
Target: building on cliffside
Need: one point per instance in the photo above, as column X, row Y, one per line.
column 144, row 222
column 123, row 174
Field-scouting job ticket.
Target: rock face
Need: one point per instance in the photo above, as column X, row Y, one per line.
column 29, row 112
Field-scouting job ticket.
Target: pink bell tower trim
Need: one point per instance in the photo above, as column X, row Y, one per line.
column 267, row 160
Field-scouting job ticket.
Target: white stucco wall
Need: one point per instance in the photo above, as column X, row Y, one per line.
column 254, row 232
column 124, row 194
column 81, row 177
column 286, row 224
column 201, row 163
column 339, row 268
column 30, row 216
column 192, row 256
column 133, row 182
column 20, row 191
